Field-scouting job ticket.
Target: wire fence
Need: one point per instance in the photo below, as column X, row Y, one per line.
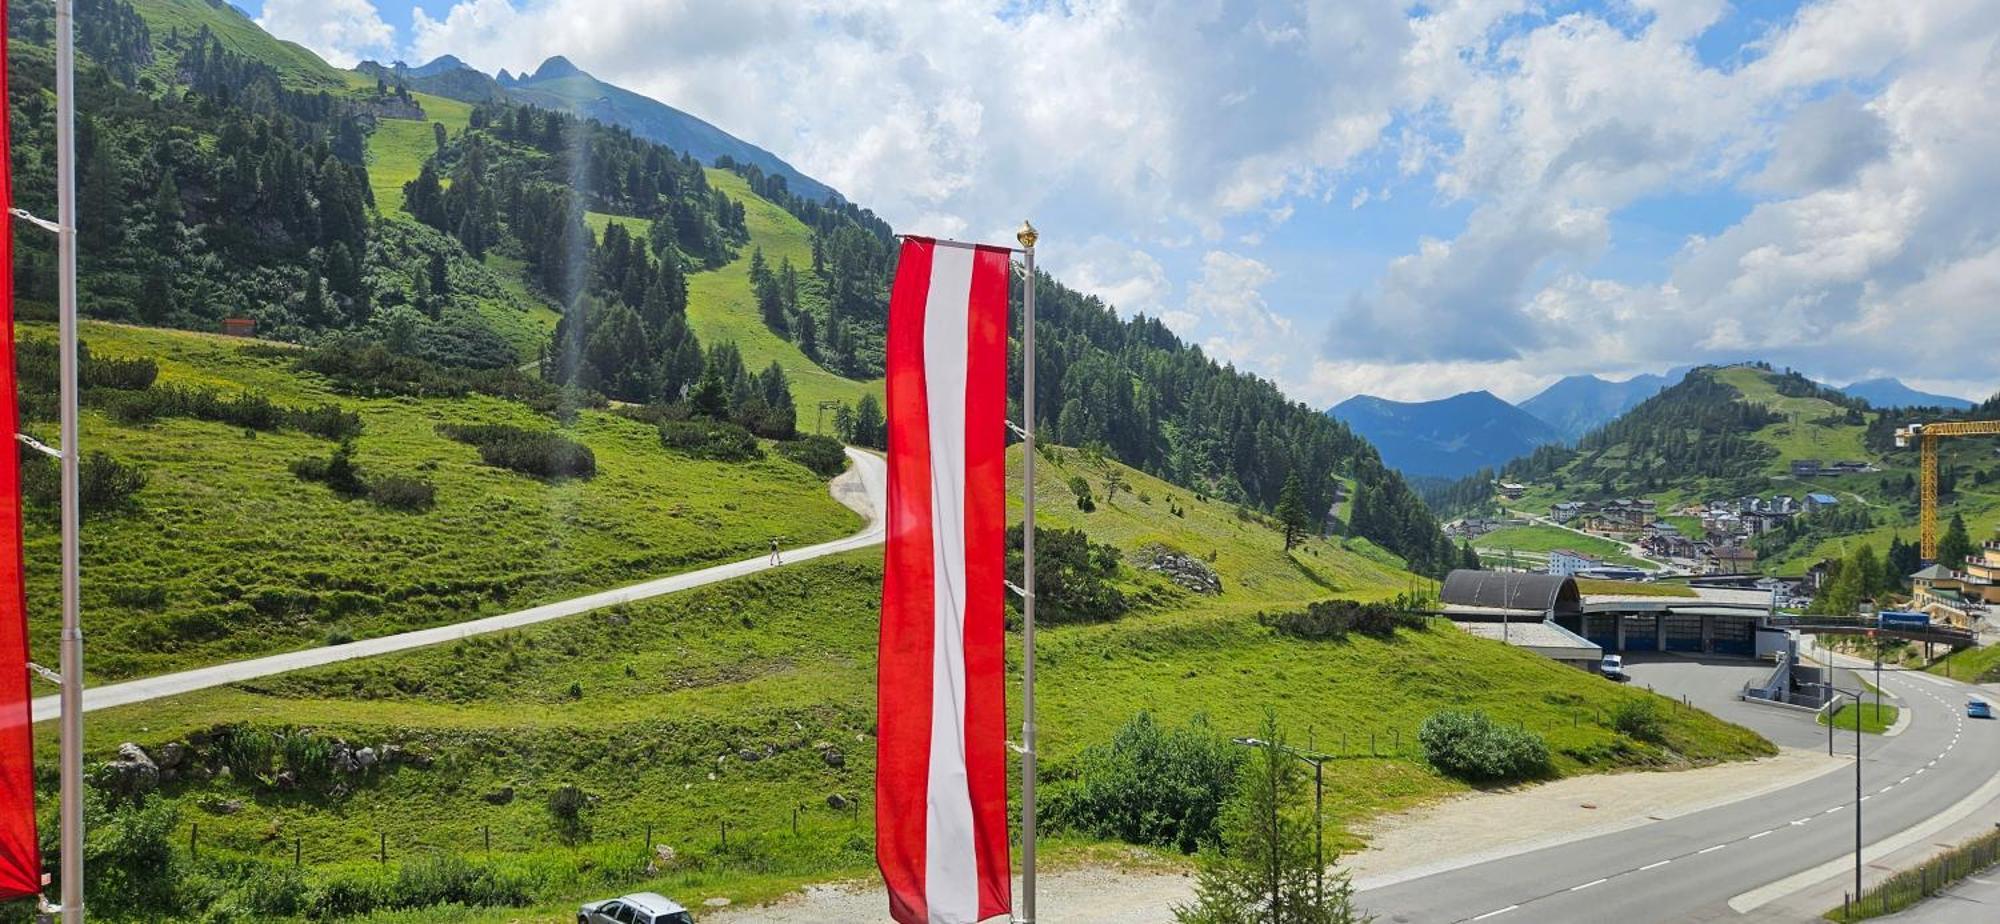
column 722, row 836
column 1914, row 885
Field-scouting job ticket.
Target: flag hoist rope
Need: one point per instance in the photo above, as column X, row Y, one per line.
column 72, row 632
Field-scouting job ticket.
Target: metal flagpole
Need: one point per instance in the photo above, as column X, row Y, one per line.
column 1027, row 236
column 72, row 632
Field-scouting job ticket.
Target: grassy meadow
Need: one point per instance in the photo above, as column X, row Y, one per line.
column 226, row 554
column 1543, row 539
column 739, row 703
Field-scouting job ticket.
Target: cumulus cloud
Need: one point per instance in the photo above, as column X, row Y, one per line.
column 1857, row 137
column 341, row 31
column 1227, row 300
column 1867, row 249
column 1149, row 116
column 1127, row 278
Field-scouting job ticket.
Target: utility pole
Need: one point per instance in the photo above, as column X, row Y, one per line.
column 1318, row 762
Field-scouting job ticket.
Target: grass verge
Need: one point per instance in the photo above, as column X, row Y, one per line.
column 1875, row 719
column 1935, row 875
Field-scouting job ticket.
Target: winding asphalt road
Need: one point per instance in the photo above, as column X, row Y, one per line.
column 1743, row 860
column 863, row 487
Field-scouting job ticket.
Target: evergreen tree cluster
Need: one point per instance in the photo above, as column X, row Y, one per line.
column 1134, row 389
column 1699, row 428
column 836, row 311
column 224, row 194
column 528, row 174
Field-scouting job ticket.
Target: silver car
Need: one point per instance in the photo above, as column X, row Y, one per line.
column 637, row 908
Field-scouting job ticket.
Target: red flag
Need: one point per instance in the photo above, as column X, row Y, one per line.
column 20, row 849
column 940, row 771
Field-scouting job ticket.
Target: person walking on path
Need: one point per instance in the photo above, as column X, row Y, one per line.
column 776, row 558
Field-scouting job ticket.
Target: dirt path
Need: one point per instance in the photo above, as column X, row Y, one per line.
column 1476, row 828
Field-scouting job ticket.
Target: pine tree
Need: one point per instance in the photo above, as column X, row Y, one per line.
column 1956, row 545
column 1868, row 569
column 870, row 429
column 1267, row 870
column 1292, row 511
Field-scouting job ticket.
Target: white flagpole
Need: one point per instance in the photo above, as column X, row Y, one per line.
column 1027, row 236
column 72, row 633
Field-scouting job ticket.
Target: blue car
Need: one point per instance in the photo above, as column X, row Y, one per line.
column 1978, row 709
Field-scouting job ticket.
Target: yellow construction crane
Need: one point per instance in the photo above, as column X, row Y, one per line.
column 1926, row 436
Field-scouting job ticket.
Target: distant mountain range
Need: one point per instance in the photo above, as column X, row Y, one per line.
column 558, row 84
column 1579, row 404
column 1447, row 438
column 1886, row 393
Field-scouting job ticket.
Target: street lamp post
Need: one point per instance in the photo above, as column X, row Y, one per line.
column 1831, row 712
column 1318, row 762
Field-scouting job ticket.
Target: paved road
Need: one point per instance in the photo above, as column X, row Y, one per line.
column 1742, row 861
column 864, row 487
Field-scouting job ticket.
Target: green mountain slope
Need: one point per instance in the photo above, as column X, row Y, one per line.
column 300, row 67
column 1729, row 432
column 738, row 704
column 722, row 306
column 224, row 553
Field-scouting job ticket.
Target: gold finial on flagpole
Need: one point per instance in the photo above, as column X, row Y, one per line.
column 1027, row 235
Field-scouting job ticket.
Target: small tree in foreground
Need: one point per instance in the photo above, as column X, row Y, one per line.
column 1266, row 871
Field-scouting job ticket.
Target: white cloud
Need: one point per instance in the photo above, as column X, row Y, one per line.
column 341, row 31
column 1227, row 302
column 1148, row 117
column 1127, row 278
column 1859, row 136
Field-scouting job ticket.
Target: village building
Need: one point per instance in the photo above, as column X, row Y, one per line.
column 1568, row 562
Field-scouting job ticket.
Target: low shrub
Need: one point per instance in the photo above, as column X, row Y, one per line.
column 709, row 439
column 822, row 455
column 336, row 471
column 1161, row 787
column 1469, row 745
column 1333, row 619
column 370, row 369
column 531, row 452
column 566, row 808
column 104, row 484
column 140, row 596
column 251, row 411
column 1639, row 720
column 401, row 492
column 1073, row 577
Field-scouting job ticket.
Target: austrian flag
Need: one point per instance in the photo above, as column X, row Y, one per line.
column 941, row 775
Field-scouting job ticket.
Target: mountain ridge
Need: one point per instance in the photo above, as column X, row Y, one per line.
column 1578, row 404
column 1449, row 437
column 1888, row 392
column 557, row 83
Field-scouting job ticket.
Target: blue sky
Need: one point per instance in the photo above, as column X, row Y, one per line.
column 1396, row 198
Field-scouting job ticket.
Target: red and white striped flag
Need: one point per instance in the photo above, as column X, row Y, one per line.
column 20, row 850
column 940, row 771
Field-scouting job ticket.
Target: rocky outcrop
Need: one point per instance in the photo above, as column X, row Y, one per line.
column 1186, row 571
column 132, row 773
column 206, row 755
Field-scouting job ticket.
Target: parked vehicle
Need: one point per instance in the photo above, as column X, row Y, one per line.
column 1978, row 709
column 1613, row 667
column 637, row 908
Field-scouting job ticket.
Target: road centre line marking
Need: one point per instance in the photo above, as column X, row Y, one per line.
column 1589, row 884
column 1653, row 866
column 1759, row 834
column 1710, row 849
column 1801, row 821
column 1835, row 809
column 1495, row 914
